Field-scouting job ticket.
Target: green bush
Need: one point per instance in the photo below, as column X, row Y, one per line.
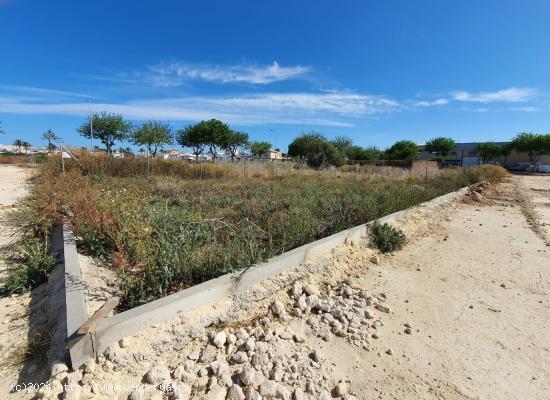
column 386, row 238
column 28, row 268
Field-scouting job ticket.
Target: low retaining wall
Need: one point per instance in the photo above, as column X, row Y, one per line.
column 127, row 323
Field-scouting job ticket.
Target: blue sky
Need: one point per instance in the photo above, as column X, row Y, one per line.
column 374, row 71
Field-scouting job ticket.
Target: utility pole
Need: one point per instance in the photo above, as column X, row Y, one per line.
column 274, row 138
column 62, row 158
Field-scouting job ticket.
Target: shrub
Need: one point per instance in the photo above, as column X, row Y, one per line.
column 487, row 172
column 29, row 267
column 386, row 238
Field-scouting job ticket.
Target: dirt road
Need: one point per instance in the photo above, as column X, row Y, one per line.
column 14, row 309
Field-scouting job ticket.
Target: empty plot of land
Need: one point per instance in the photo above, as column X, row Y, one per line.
column 469, row 317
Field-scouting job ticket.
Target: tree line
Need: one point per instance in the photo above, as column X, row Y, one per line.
column 212, row 136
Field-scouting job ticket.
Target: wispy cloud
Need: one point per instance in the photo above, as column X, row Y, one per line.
column 524, row 109
column 510, row 95
column 437, row 102
column 323, row 109
column 175, row 73
column 37, row 93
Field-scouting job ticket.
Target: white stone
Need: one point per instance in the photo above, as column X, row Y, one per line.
column 239, row 357
column 242, row 334
column 278, row 308
column 235, row 393
column 219, row 339
column 250, row 344
column 216, row 393
column 219, row 368
column 251, row 394
column 324, row 395
column 269, row 389
column 311, row 290
column 297, row 289
column 298, row 394
column 58, row 367
column 383, row 307
column 341, row 389
column 181, row 392
column 226, row 380
column 157, row 374
column 231, row 338
column 248, row 375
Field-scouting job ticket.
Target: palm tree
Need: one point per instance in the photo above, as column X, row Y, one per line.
column 50, row 136
column 18, row 143
column 26, row 146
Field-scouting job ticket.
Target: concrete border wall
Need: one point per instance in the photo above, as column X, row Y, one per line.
column 127, row 323
column 74, row 307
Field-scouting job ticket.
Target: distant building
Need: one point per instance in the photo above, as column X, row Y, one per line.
column 466, row 155
column 275, row 155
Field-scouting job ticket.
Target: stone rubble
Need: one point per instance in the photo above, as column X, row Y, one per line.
column 268, row 358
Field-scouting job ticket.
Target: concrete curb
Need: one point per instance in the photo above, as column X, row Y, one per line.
column 74, row 307
column 132, row 321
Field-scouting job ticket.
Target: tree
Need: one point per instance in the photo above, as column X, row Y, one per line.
column 2, row 131
column 258, row 149
column 505, row 151
column 52, row 147
column 363, row 153
column 342, row 144
column 488, row 151
column 215, row 134
column 192, row 137
column 50, row 136
column 153, row 135
column 212, row 133
column 232, row 141
column 26, row 146
column 403, row 150
column 535, row 145
column 316, row 150
column 108, row 128
column 440, row 145
column 18, row 143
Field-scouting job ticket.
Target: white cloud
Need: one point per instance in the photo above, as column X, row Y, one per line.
column 437, row 102
column 510, row 95
column 36, row 93
column 175, row 74
column 323, row 109
column 524, row 109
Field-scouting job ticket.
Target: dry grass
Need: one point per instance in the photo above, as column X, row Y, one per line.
column 178, row 228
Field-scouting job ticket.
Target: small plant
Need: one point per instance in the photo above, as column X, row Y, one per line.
column 29, row 268
column 386, row 238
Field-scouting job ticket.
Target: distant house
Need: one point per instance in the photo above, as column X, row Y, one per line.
column 275, row 155
column 466, row 155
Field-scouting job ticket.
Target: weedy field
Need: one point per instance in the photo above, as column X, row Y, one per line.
column 186, row 224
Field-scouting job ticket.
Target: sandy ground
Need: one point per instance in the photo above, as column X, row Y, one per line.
column 472, row 284
column 13, row 309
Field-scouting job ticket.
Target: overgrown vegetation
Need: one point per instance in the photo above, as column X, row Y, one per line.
column 386, row 238
column 29, row 266
column 171, row 231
